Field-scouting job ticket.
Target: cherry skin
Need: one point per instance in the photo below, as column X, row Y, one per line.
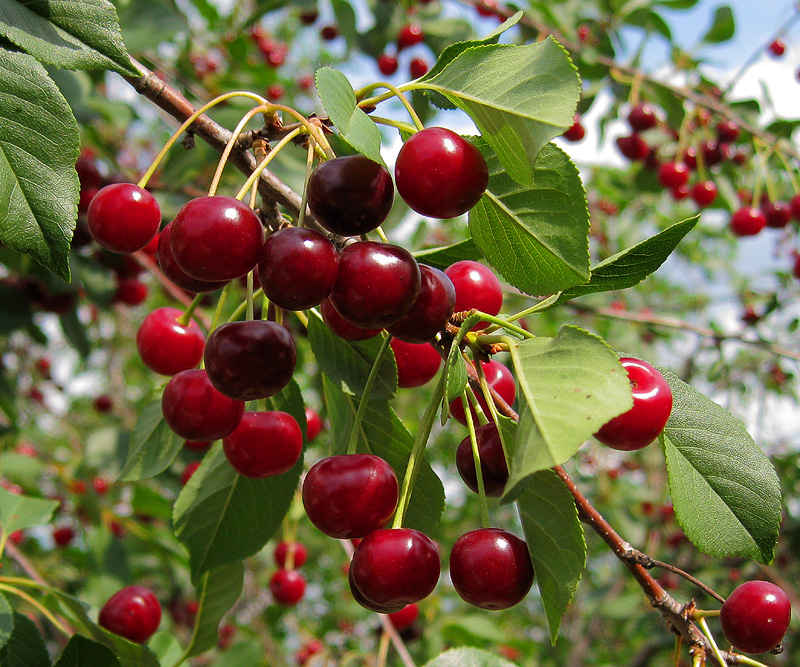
column 188, row 471
column 417, row 364
column 755, row 617
column 282, row 553
column 350, row 495
column 248, row 360
column 777, row 48
column 405, row 617
column 476, row 287
column 747, row 222
column 491, row 568
column 642, row 117
column 652, row 404
column 166, row 346
column 499, row 378
column 796, row 267
column 575, row 132
column 313, row 424
column 492, row 458
column 418, row 67
column 440, row 174
column 409, row 35
column 130, row 291
column 727, row 131
column 198, row 445
column 350, row 195
column 216, row 238
column 176, row 275
column 133, row 612
column 264, row 444
column 342, row 327
column 387, row 64
column 794, row 206
column 704, row 193
column 377, row 284
column 63, row 535
column 777, row 214
column 431, row 311
column 297, row 268
column 195, row 410
column 393, row 568
column 287, row 587
column 633, row 147
column 123, row 217
column 673, row 175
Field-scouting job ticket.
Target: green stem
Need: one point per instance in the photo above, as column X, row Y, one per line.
column 398, row 124
column 535, row 308
column 33, row 601
column 218, row 311
column 382, row 235
column 744, row 660
column 242, row 306
column 704, row 627
column 504, row 324
column 250, row 309
column 476, row 457
column 265, row 162
column 301, row 217
column 184, row 319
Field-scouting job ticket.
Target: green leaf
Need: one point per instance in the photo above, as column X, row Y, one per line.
column 148, row 23
column 347, row 363
column 166, row 647
column 6, row 621
column 468, row 657
column 520, row 97
column 81, row 651
column 18, row 512
column 536, row 236
column 570, row 386
column 632, row 265
column 722, row 27
column 25, row 647
column 153, row 445
column 72, row 35
column 75, row 332
column 355, row 127
column 218, row 591
column 555, row 539
column 726, row 493
column 345, row 18
column 441, row 258
column 38, row 182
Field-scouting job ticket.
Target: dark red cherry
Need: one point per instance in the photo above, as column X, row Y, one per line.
column 133, row 612
column 166, row 346
column 393, row 568
column 297, row 549
column 440, row 174
column 652, row 404
column 409, row 35
column 216, row 238
column 796, row 267
column 348, row 496
column 313, row 424
column 188, row 471
column 287, row 587
column 714, row 152
column 198, row 445
column 417, row 364
column 673, row 175
column 342, row 327
column 576, row 131
column 89, row 175
column 350, row 195
column 476, row 287
column 176, row 275
column 195, row 410
column 777, row 47
column 264, row 444
column 492, row 458
column 297, row 268
column 123, row 217
column 679, row 193
column 418, row 67
column 794, row 205
column 727, row 131
column 387, row 64
column 63, row 535
column 633, row 147
column 491, row 568
column 755, row 617
column 405, row 617
column 704, row 193
column 131, row 291
column 642, row 117
column 777, row 214
column 747, row 222
column 249, row 360
column 431, row 311
column 377, row 284
column 500, row 379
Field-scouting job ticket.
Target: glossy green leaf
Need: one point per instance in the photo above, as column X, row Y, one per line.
column 6, row 621
column 38, row 182
column 520, row 97
column 25, row 647
column 153, row 445
column 18, row 512
column 723, row 26
column 355, row 127
column 555, row 540
column 81, row 651
column 726, row 493
column 570, row 386
column 536, row 236
column 441, row 258
column 72, row 35
column 468, row 657
column 218, row 591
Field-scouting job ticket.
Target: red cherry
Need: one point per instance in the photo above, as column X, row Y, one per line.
column 167, row 347
column 652, row 404
column 418, row 67
column 777, row 214
column 431, row 311
column 103, row 403
column 642, row 117
column 405, row 617
column 197, row 445
column 123, row 217
column 755, row 617
column 796, row 267
column 633, row 147
column 309, row 17
column 282, row 553
column 176, row 275
column 63, row 535
column 417, row 364
column 342, row 327
column 387, row 64
column 329, row 32
column 492, row 458
column 679, row 193
column 747, row 222
column 727, row 131
column 287, row 587
column 188, row 471
column 133, row 612
column 500, row 379
column 673, row 175
column 440, row 174
column 88, row 173
column 100, row 485
column 264, row 444
column 409, row 35
column 576, row 131
column 476, row 287
column 704, row 193
column 794, row 205
column 131, row 291
column 275, row 91
column 313, row 424
column 777, row 47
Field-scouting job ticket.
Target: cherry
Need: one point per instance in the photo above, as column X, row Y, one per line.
column 714, row 152
column 350, row 195
column 88, row 174
column 796, row 267
column 133, row 612
column 642, row 117
column 576, row 131
column 297, row 268
column 500, row 379
column 123, row 217
column 63, row 535
column 704, row 193
column 308, row 650
column 264, row 444
column 727, row 131
column 491, row 568
column 777, row 214
column 633, row 147
column 418, row 67
column 100, row 485
column 673, row 175
column 377, row 284
column 275, row 91
column 652, row 404
column 777, row 47
column 166, row 260
column 747, row 222
column 248, row 360
column 794, row 206
column 405, row 617
column 348, row 496
column 393, row 568
column 313, row 424
column 755, row 617
column 476, row 287
column 431, row 311
column 309, row 17
column 188, row 471
column 417, row 364
column 197, row 445
column 216, row 238
column 287, row 587
column 329, row 32
column 409, row 35
column 195, row 410
column 282, row 553
column 342, row 327
column 440, row 174
column 166, row 346
column 679, row 193
column 492, row 457
column 103, row 403
column 130, row 291
column 387, row 64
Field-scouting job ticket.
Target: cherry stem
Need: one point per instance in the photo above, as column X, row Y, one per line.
column 503, row 323
column 683, row 133
column 652, row 562
column 744, row 660
column 393, row 91
column 184, row 319
column 249, row 302
column 33, row 601
column 417, row 449
column 236, row 314
column 218, row 311
column 301, row 217
column 704, row 627
column 701, row 165
column 362, row 404
column 382, row 235
column 544, row 304
column 761, row 177
column 251, row 180
column 789, row 171
column 232, row 140
column 383, row 650
column 476, row 457
column 398, row 124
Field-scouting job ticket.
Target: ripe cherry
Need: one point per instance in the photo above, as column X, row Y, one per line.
column 63, row 535
column 133, row 612
column 500, row 379
column 405, row 617
column 755, row 617
column 100, row 485
column 165, row 345
column 652, row 404
column 704, row 193
column 796, row 267
column 188, row 471
column 409, row 35
column 248, row 360
column 393, row 568
column 417, row 364
column 747, row 222
column 642, row 117
column 179, row 277
column 195, row 410
column 282, row 550
column 633, row 147
column 351, row 495
column 103, row 403
column 350, row 195
column 130, row 291
column 342, row 327
column 476, row 287
column 440, row 174
column 418, row 67
column 576, row 131
column 264, row 444
column 777, row 214
column 673, row 175
column 287, row 587
column 794, row 205
column 387, row 64
column 297, row 268
column 491, row 568
column 492, row 458
column 123, row 217
column 727, row 131
column 313, row 424
column 431, row 311
column 777, row 47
